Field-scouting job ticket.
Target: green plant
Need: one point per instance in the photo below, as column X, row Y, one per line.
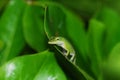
column 26, row 27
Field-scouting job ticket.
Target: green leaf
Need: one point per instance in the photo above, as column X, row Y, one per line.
column 72, row 70
column 56, row 21
column 111, row 69
column 76, row 32
column 11, row 31
column 33, row 28
column 41, row 66
column 95, row 40
column 112, row 22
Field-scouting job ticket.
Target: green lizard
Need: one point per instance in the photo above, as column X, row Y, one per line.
column 65, row 45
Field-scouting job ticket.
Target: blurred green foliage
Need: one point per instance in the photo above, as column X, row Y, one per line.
column 91, row 26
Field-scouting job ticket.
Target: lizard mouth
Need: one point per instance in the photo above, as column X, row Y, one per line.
column 51, row 42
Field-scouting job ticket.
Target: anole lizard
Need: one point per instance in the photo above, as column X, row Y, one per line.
column 65, row 45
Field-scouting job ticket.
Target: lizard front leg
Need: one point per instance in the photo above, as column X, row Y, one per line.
column 67, row 53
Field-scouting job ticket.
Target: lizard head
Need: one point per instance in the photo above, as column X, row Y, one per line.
column 56, row 40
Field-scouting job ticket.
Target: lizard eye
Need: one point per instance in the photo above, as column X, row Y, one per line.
column 57, row 38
